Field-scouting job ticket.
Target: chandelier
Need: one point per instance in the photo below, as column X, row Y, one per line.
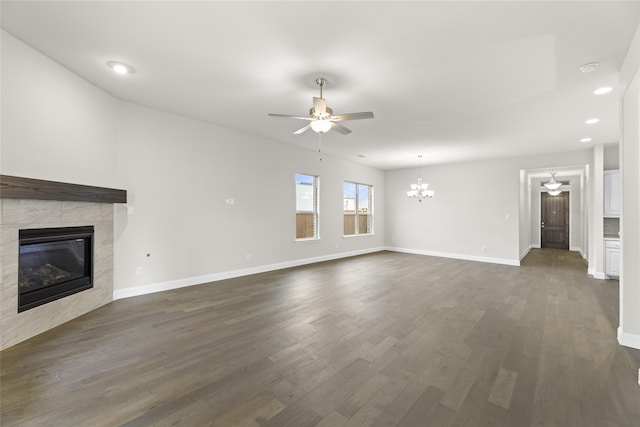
column 420, row 190
column 553, row 186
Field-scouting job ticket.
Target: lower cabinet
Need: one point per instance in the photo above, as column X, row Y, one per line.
column 612, row 258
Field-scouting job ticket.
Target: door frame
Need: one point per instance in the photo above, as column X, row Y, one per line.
column 544, row 190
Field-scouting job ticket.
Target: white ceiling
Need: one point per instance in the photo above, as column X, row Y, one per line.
column 454, row 81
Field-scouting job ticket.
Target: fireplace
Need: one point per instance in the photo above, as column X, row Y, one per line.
column 53, row 263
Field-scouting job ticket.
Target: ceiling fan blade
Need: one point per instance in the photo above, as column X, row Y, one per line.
column 339, row 128
column 319, row 105
column 302, row 130
column 287, row 116
column 353, row 116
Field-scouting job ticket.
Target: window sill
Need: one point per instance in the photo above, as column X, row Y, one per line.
column 355, row 236
column 311, row 239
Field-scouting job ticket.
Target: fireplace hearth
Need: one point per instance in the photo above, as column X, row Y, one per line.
column 53, row 263
column 27, row 203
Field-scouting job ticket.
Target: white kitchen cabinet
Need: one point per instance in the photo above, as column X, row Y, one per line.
column 612, row 258
column 612, row 194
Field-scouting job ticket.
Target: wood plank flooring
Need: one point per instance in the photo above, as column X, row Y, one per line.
column 385, row 339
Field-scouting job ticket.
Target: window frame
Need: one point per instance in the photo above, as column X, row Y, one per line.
column 315, row 207
column 357, row 213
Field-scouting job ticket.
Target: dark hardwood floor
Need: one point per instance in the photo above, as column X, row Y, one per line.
column 385, row 339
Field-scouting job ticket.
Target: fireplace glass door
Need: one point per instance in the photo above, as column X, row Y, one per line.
column 53, row 263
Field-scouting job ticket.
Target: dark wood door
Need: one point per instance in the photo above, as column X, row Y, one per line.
column 554, row 224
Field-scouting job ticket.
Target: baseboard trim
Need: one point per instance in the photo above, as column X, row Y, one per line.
column 596, row 274
column 455, row 256
column 628, row 340
column 214, row 277
column 525, row 253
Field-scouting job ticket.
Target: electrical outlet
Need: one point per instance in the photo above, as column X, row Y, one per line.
column 138, row 271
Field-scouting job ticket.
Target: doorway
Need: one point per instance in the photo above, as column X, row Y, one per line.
column 554, row 221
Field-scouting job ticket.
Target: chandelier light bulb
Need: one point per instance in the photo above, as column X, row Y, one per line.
column 553, row 185
column 420, row 190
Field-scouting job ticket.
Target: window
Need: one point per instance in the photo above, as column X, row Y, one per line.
column 358, row 209
column 306, row 207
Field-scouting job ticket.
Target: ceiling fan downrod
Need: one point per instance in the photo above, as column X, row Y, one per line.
column 322, row 82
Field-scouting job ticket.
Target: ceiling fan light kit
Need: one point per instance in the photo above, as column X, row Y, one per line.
column 321, row 126
column 321, row 118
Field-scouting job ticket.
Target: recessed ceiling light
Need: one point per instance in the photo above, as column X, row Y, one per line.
column 120, row 68
column 602, row 90
column 587, row 68
column 585, row 140
column 592, row 121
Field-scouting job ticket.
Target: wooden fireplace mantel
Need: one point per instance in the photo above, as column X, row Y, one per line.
column 13, row 187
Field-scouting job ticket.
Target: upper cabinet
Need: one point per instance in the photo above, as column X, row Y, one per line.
column 612, row 194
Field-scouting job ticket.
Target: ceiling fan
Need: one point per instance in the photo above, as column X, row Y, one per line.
column 321, row 118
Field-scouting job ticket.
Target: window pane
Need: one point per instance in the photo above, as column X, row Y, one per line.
column 363, row 199
column 358, row 209
column 349, row 194
column 349, row 224
column 305, row 193
column 363, row 224
column 306, row 206
column 305, row 225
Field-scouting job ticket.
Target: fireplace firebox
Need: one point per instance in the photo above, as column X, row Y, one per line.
column 53, row 263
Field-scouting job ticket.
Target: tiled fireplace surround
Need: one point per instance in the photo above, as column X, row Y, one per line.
column 19, row 214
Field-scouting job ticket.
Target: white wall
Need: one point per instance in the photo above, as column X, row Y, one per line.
column 596, row 227
column 629, row 330
column 524, row 216
column 55, row 125
column 469, row 210
column 467, row 213
column 180, row 172
column 611, row 156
